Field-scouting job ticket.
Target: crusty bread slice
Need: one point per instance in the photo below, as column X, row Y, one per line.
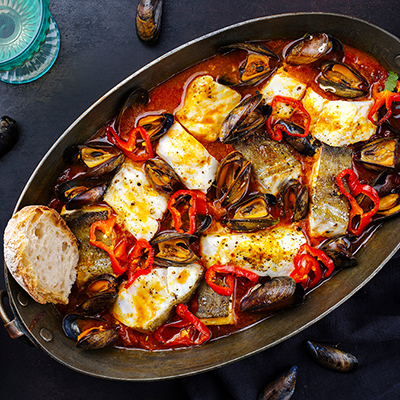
column 41, row 253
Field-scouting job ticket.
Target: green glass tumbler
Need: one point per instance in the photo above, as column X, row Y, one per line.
column 29, row 40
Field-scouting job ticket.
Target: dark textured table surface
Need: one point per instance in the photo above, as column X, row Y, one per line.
column 99, row 48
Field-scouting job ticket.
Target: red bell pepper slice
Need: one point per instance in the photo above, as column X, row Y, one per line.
column 185, row 336
column 306, row 260
column 130, row 147
column 142, row 245
column 356, row 188
column 230, row 270
column 107, row 227
column 275, row 132
column 386, row 98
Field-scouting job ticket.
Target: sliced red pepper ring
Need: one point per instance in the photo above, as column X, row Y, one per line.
column 230, row 270
column 107, row 227
column 306, row 260
column 275, row 132
column 141, row 246
column 357, row 188
column 130, row 147
column 385, row 98
column 185, row 336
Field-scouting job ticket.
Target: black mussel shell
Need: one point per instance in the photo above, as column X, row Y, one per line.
column 97, row 338
column 249, row 46
column 148, row 20
column 282, row 388
column 136, row 100
column 275, row 294
column 332, row 357
column 8, row 134
column 240, row 122
column 251, row 215
column 389, row 206
column 380, row 154
column 161, row 175
column 338, row 249
column 173, row 249
column 256, row 68
column 307, row 146
column 156, row 125
column 232, row 179
column 342, row 80
column 296, row 200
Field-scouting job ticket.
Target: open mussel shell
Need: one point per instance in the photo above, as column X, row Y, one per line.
column 331, row 357
column 338, row 249
column 256, row 68
column 307, row 146
column 380, row 154
column 296, row 200
column 342, row 80
column 389, row 206
column 161, row 175
column 156, row 125
column 243, row 119
column 148, row 20
column 309, row 48
column 173, row 249
column 251, row 215
column 8, row 134
column 275, row 294
column 281, row 388
column 232, row 179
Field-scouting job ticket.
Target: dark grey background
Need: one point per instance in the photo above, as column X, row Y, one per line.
column 99, row 48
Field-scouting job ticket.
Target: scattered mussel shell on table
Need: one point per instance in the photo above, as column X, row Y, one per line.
column 312, row 47
column 331, row 357
column 338, row 248
column 342, row 80
column 148, row 20
column 232, row 179
column 296, row 200
column 272, row 295
column 281, row 388
column 251, row 214
column 161, row 175
column 156, row 125
column 173, row 249
column 244, row 119
column 8, row 134
column 90, row 333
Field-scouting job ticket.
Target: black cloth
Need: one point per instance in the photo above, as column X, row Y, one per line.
column 99, row 48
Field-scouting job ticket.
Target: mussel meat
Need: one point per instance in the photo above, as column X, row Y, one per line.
column 244, row 119
column 161, row 175
column 89, row 333
column 282, row 388
column 252, row 214
column 273, row 295
column 232, row 178
column 338, row 249
column 380, row 154
column 331, row 357
column 156, row 125
column 173, row 249
column 342, row 80
column 148, row 20
column 313, row 47
column 296, row 200
column 256, row 68
column 389, row 206
column 8, row 134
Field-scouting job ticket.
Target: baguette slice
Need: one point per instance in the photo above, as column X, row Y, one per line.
column 41, row 253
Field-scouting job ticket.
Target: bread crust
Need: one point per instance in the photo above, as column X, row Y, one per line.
column 27, row 269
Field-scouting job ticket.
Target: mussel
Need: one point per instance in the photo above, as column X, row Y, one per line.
column 389, row 206
column 338, row 249
column 244, row 119
column 8, row 134
column 380, row 154
column 232, row 178
column 252, row 214
column 148, row 20
column 296, row 200
column 173, row 249
column 161, row 175
column 249, row 46
column 331, row 357
column 342, row 80
column 273, row 295
column 89, row 333
column 282, row 388
column 156, row 125
column 312, row 47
